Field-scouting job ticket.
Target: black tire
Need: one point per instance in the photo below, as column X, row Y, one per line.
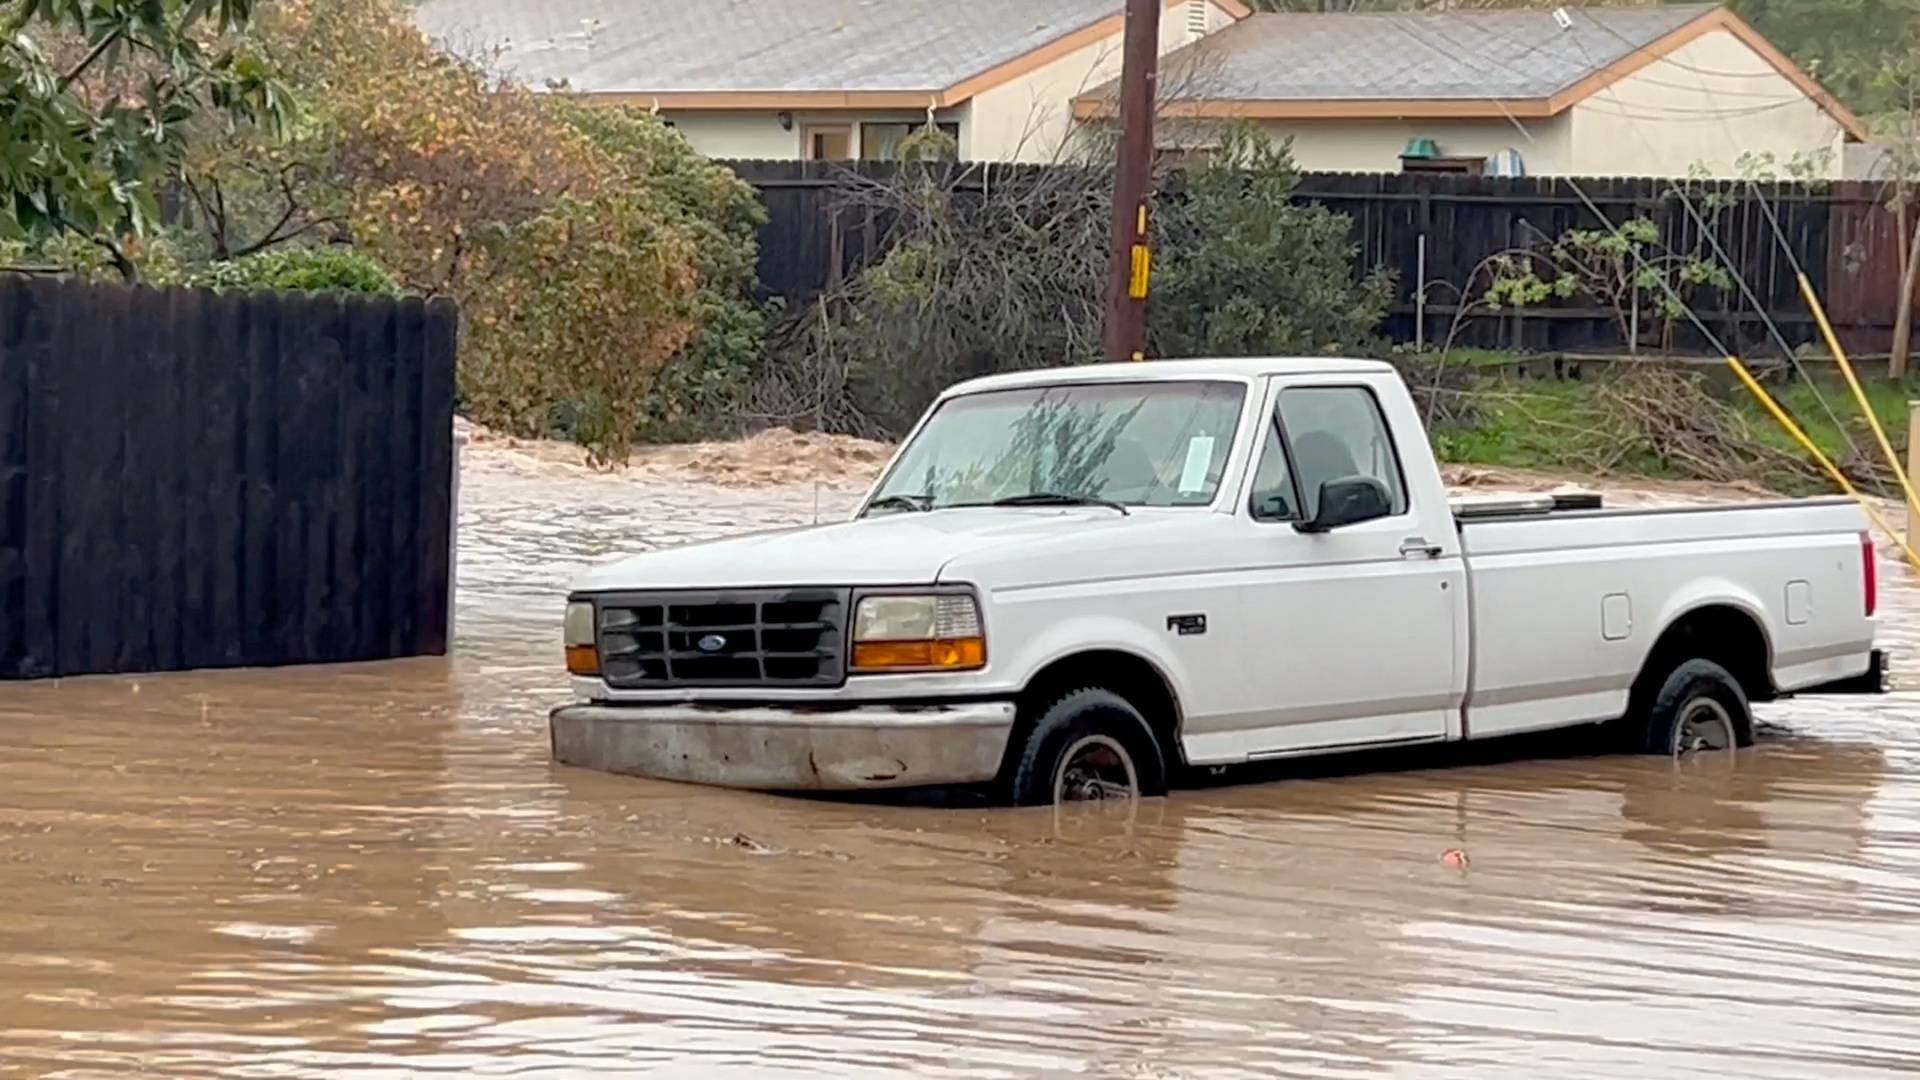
column 1700, row 695
column 1082, row 720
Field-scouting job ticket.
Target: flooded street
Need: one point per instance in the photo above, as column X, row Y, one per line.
column 375, row 871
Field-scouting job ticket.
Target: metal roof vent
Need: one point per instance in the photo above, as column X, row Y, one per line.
column 1506, row 163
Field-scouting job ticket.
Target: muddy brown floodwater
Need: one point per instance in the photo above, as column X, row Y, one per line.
column 374, row 871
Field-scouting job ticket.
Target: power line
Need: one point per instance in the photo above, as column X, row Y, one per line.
column 1672, row 294
column 1675, row 114
column 1746, row 289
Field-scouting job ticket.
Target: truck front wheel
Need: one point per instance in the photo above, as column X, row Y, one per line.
column 1089, row 744
column 1699, row 708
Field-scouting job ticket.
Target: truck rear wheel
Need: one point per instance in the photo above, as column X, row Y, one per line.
column 1089, row 744
column 1699, row 708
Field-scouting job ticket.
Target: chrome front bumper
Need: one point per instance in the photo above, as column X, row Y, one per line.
column 769, row 748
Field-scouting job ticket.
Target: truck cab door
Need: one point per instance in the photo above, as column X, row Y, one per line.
column 1355, row 633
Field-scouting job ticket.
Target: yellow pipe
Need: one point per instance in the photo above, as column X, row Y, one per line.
column 1826, row 463
column 1860, row 395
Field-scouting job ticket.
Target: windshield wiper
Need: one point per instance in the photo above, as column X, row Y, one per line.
column 1056, row 498
column 921, row 503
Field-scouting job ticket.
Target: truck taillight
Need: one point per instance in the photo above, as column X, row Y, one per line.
column 1869, row 574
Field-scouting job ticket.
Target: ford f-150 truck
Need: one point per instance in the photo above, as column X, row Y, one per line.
column 1073, row 582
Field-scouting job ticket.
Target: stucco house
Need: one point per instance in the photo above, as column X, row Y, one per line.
column 1648, row 91
column 786, row 79
column 1629, row 91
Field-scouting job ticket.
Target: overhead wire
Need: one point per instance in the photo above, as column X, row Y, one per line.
column 1834, row 346
column 1769, row 95
column 1720, row 347
column 1814, row 305
column 1581, row 193
column 1746, row 289
column 1670, row 114
column 1700, row 221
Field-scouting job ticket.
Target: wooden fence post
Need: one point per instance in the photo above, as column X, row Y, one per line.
column 453, row 526
column 1913, row 467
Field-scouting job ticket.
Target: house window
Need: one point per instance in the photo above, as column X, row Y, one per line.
column 833, row 143
column 1455, row 166
column 881, row 142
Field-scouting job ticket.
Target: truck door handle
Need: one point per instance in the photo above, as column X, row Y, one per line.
column 1419, row 545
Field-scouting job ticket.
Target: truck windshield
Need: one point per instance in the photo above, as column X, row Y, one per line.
column 1132, row 443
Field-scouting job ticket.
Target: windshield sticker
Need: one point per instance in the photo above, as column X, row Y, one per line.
column 1193, row 477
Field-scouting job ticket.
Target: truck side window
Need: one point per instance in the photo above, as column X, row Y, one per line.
column 1272, row 481
column 1338, row 432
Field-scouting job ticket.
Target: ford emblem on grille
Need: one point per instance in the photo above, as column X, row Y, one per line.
column 712, row 643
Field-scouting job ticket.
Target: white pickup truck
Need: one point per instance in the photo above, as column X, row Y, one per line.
column 1078, row 581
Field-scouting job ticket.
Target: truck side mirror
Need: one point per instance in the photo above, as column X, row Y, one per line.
column 1349, row 501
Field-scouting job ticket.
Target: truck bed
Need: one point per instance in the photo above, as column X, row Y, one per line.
column 1616, row 579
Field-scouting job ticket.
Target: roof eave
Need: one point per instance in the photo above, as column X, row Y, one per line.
column 1337, row 109
column 1094, row 105
column 783, row 100
column 942, row 98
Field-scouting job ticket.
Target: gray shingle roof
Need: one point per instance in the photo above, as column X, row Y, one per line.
column 1459, row 56
column 678, row 46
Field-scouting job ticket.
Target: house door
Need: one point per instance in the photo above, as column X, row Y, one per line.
column 833, row 143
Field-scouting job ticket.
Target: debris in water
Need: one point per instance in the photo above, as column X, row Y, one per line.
column 749, row 844
column 1455, row 858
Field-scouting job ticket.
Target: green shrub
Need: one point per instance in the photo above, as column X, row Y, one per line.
column 699, row 387
column 1012, row 276
column 576, row 314
column 329, row 269
column 1005, row 280
column 1243, row 270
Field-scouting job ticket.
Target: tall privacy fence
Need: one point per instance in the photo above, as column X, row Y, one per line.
column 1435, row 230
column 192, row 480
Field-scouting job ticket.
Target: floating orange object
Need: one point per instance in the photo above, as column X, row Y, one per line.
column 1455, row 858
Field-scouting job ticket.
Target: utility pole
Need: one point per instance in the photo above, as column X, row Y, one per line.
column 1128, row 273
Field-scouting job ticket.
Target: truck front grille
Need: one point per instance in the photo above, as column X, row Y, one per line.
column 756, row 637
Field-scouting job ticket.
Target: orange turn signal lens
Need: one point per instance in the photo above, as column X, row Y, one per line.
column 583, row 660
column 959, row 654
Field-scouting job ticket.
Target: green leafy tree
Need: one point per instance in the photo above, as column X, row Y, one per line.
column 1246, row 271
column 96, row 99
column 722, row 214
column 1845, row 44
column 1628, row 268
column 464, row 184
column 582, row 305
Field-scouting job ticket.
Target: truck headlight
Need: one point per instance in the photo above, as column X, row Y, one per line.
column 583, row 658
column 928, row 632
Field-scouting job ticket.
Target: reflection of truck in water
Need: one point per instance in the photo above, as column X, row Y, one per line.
column 1073, row 581
column 1223, row 928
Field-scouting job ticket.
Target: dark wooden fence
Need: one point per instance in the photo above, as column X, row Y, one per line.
column 1840, row 233
column 191, row 480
